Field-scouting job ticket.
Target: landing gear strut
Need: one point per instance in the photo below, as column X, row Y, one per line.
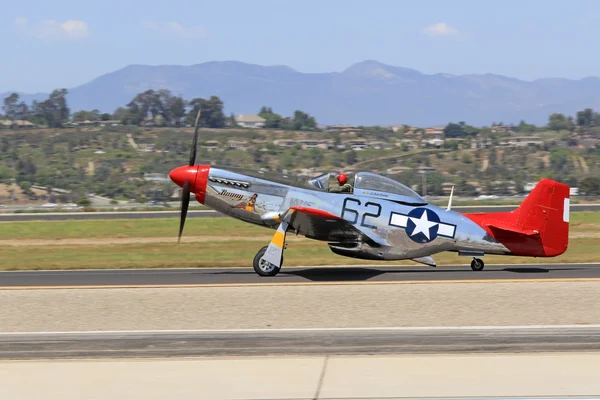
column 477, row 264
column 269, row 259
column 263, row 267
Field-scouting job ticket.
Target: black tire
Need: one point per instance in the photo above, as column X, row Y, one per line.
column 477, row 264
column 264, row 271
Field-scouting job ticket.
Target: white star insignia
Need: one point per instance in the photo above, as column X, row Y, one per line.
column 422, row 225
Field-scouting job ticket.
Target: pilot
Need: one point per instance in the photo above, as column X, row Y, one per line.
column 344, row 186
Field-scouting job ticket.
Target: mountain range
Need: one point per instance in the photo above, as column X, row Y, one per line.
column 366, row 93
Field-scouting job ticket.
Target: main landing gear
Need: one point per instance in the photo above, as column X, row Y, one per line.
column 263, row 267
column 269, row 259
column 477, row 264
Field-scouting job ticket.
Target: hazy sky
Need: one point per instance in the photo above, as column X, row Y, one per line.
column 65, row 43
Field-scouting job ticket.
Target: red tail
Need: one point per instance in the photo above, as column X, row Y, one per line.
column 539, row 227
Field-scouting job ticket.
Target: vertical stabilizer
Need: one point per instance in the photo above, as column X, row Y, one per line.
column 539, row 227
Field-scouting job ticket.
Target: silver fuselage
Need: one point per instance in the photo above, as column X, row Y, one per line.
column 398, row 229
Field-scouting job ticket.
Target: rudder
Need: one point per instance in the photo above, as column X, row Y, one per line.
column 546, row 210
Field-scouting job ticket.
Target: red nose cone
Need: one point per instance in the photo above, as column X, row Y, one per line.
column 197, row 175
column 181, row 175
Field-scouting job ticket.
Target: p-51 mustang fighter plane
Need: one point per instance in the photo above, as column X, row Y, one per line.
column 380, row 219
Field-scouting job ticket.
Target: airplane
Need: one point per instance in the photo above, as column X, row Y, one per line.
column 381, row 219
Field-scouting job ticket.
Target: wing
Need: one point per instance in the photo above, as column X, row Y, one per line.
column 323, row 225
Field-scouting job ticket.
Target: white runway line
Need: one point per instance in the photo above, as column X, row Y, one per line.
column 275, row 330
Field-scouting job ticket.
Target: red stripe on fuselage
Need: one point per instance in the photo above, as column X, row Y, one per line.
column 314, row 211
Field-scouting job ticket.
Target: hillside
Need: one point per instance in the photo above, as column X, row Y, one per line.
column 128, row 163
column 366, row 93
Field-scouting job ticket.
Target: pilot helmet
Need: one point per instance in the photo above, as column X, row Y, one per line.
column 342, row 179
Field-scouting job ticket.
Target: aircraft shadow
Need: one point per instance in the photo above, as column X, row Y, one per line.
column 527, row 270
column 327, row 274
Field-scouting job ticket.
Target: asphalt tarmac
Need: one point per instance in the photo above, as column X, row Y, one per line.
column 64, row 216
column 295, row 276
column 265, row 342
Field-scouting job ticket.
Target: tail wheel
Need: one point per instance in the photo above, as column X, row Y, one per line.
column 265, row 268
column 477, row 264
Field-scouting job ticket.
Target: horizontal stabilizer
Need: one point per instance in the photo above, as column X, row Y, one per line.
column 507, row 230
column 427, row 260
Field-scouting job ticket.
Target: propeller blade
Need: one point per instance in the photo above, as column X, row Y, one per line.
column 195, row 142
column 185, row 202
column 185, row 195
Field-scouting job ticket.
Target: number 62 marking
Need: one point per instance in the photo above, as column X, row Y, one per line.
column 356, row 214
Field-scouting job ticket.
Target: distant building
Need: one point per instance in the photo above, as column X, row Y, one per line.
column 342, row 128
column 7, row 123
column 501, row 129
column 437, row 131
column 358, row 144
column 436, row 142
column 522, row 141
column 237, row 145
column 87, row 123
column 379, row 145
column 250, row 121
column 407, row 144
column 111, row 122
column 481, row 142
column 316, row 144
column 397, row 170
column 147, row 148
column 285, row 143
column 211, row 145
column 156, row 177
column 447, row 187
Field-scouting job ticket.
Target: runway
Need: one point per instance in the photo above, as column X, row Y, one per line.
column 298, row 342
column 297, row 276
column 64, row 216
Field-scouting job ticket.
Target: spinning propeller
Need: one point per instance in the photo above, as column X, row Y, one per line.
column 186, row 178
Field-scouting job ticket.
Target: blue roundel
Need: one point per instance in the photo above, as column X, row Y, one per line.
column 422, row 225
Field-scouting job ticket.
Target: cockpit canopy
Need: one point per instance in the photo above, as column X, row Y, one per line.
column 374, row 185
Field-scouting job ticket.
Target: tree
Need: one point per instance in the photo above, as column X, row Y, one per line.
column 10, row 105
column 287, row 124
column 272, row 120
column 317, row 157
column 176, row 106
column 83, row 115
column 350, row 157
column 492, row 156
column 142, row 104
column 162, row 103
column 449, row 144
column 54, row 110
column 585, row 117
column 304, row 122
column 211, row 116
column 453, row 130
column 124, row 115
column 524, row 127
column 14, row 110
column 84, row 202
column 558, row 122
column 170, row 107
column 232, row 121
column 25, row 187
column 590, row 186
column 6, row 174
column 560, row 159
